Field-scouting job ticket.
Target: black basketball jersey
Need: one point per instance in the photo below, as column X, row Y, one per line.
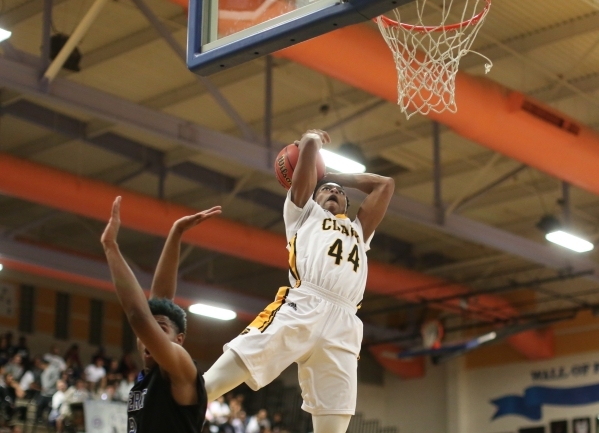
column 152, row 408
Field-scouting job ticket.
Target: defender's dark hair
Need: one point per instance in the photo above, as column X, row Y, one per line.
column 166, row 307
column 324, row 181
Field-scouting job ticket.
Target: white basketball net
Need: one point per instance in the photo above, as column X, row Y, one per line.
column 427, row 57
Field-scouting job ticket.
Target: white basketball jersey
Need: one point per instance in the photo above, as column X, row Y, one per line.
column 326, row 250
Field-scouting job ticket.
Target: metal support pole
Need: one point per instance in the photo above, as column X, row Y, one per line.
column 74, row 40
column 46, row 33
column 566, row 202
column 212, row 89
column 268, row 110
column 438, row 202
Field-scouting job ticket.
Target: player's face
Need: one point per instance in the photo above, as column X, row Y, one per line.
column 331, row 197
column 169, row 329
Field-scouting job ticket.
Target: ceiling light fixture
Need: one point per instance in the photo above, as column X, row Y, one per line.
column 4, row 34
column 555, row 232
column 214, row 312
column 341, row 163
column 570, row 241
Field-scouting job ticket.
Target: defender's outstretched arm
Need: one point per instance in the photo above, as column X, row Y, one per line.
column 164, row 283
column 171, row 357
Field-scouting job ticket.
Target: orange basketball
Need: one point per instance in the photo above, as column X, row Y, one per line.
column 286, row 162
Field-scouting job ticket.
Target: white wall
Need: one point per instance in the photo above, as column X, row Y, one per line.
column 414, row 406
column 486, row 384
column 451, row 399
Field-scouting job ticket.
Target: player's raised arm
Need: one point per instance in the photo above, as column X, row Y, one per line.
column 379, row 189
column 164, row 283
column 304, row 175
column 171, row 357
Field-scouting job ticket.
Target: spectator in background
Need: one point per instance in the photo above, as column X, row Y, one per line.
column 55, row 359
column 113, row 374
column 127, row 364
column 71, row 358
column 258, row 422
column 218, row 411
column 7, row 407
column 106, row 393
column 14, row 392
column 73, row 362
column 15, row 367
column 23, row 350
column 101, row 352
column 239, row 421
column 226, row 427
column 278, row 426
column 94, row 373
column 31, row 381
column 240, row 398
column 122, row 392
column 57, row 401
column 13, row 387
column 74, row 395
column 49, row 377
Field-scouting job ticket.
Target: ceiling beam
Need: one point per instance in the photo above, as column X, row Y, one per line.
column 131, row 42
column 108, row 107
column 555, row 92
column 151, row 159
column 525, row 43
column 23, row 12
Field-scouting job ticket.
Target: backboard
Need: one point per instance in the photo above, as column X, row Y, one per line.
column 226, row 33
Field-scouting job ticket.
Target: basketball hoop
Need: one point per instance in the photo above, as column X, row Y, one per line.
column 427, row 57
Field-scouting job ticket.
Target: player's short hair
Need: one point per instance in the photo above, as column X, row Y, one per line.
column 166, row 307
column 324, row 181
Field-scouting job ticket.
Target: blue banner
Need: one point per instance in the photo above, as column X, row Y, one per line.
column 530, row 405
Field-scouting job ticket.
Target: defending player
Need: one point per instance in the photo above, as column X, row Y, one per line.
column 314, row 321
column 170, row 395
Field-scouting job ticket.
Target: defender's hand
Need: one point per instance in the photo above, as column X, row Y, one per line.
column 185, row 223
column 114, row 223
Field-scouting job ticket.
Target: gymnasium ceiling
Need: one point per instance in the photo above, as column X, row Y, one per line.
column 548, row 49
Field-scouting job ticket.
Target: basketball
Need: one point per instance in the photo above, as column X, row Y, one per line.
column 286, row 162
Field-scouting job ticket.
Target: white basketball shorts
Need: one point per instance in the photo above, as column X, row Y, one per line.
column 318, row 330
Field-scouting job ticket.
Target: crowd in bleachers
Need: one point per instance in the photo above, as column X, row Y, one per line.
column 227, row 415
column 49, row 390
column 55, row 384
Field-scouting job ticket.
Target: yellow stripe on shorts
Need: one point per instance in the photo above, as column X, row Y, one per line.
column 266, row 317
column 292, row 258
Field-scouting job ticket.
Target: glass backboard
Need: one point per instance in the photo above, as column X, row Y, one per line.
column 226, row 33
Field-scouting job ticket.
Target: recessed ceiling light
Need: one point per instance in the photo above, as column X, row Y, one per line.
column 341, row 163
column 214, row 312
column 4, row 34
column 570, row 241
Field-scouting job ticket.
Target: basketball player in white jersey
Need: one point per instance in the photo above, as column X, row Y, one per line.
column 313, row 321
